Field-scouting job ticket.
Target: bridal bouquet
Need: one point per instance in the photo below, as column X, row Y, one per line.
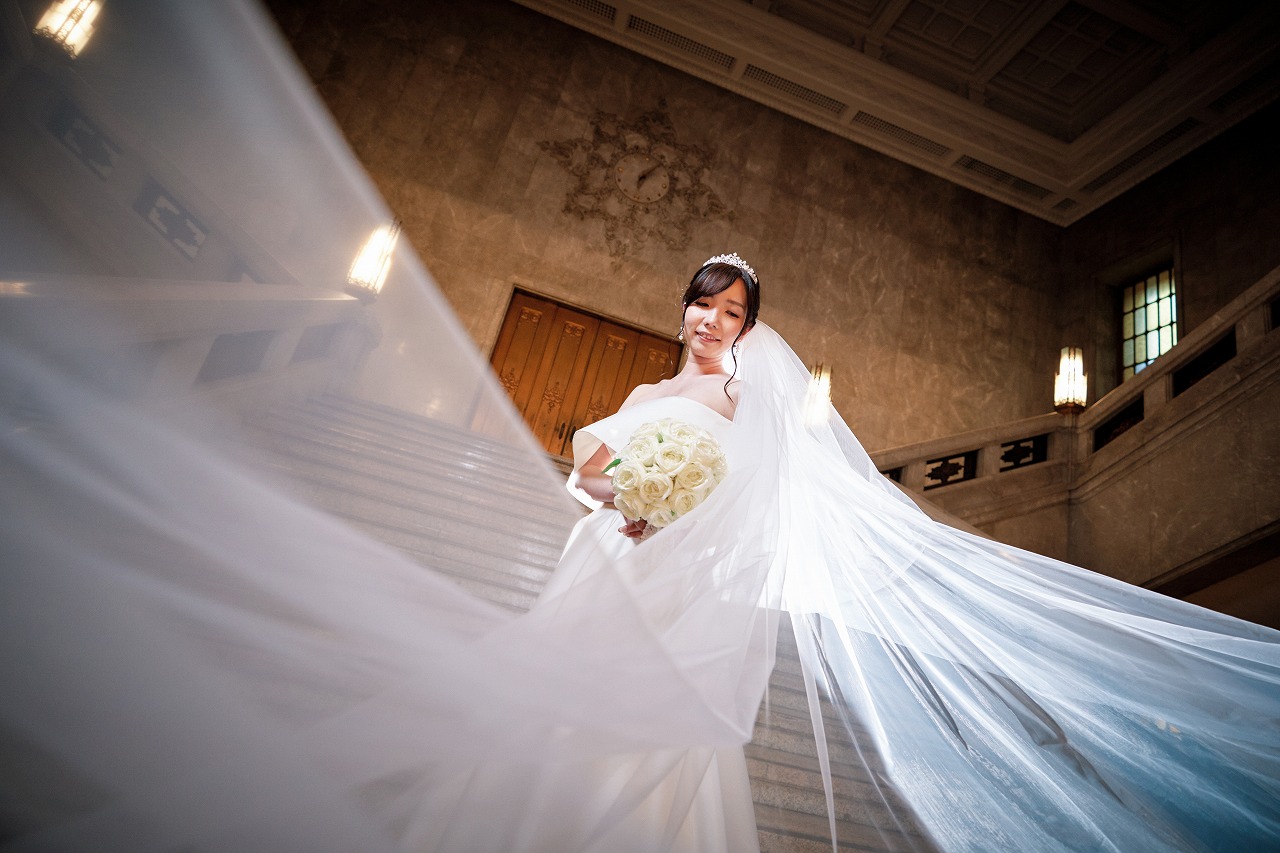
column 666, row 469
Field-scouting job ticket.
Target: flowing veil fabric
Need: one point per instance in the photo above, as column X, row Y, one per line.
column 194, row 657
column 1018, row 703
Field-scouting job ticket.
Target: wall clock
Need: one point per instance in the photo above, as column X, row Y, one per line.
column 642, row 178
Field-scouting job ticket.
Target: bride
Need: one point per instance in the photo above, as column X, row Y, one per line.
column 194, row 658
column 696, row 799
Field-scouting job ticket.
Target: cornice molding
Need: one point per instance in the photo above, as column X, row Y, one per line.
column 858, row 97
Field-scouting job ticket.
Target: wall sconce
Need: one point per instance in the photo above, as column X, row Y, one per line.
column 817, row 406
column 1070, row 386
column 69, row 24
column 369, row 272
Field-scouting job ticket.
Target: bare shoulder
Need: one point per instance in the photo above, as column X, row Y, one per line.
column 641, row 393
column 716, row 394
column 710, row 391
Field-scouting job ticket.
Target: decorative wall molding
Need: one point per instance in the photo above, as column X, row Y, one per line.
column 605, row 184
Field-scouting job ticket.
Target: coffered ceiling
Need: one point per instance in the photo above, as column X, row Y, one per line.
column 1052, row 106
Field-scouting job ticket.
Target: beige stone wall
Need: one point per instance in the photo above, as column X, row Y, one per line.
column 934, row 306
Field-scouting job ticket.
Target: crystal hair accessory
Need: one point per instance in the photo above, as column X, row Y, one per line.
column 733, row 259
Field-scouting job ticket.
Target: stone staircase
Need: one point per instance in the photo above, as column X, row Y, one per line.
column 449, row 498
column 786, row 784
column 465, row 504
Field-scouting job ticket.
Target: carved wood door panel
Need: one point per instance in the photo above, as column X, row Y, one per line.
column 564, row 368
column 622, row 359
column 524, row 332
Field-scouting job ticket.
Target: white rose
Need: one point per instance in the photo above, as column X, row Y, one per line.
column 626, row 476
column 630, row 506
column 719, row 469
column 684, row 433
column 671, row 457
column 693, row 476
column 654, row 487
column 705, row 451
column 659, row 514
column 649, row 430
column 641, row 449
column 683, row 500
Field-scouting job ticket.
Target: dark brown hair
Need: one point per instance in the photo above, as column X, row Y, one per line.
column 714, row 278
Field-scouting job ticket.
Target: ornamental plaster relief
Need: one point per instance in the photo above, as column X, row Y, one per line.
column 597, row 159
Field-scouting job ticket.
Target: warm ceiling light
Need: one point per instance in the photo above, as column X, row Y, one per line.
column 1070, row 386
column 369, row 272
column 69, row 23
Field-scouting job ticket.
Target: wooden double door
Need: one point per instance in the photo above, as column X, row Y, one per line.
column 565, row 368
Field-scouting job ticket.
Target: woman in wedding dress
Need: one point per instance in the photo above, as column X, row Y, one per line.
column 696, row 800
column 194, row 658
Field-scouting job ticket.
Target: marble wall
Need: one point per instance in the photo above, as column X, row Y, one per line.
column 491, row 131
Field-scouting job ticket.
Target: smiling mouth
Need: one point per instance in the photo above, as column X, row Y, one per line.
column 708, row 338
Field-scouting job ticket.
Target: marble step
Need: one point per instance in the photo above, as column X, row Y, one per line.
column 787, row 695
column 410, row 459
column 793, row 818
column 798, row 832
column 416, row 436
column 794, row 736
column 787, row 781
column 449, row 541
column 392, row 416
column 513, row 586
column 516, row 522
column 403, row 428
column 421, row 487
column 490, row 530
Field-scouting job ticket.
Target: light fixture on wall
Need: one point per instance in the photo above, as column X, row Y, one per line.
column 1070, row 386
column 818, row 405
column 369, row 271
column 69, row 24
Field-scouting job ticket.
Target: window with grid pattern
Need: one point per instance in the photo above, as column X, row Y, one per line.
column 1148, row 321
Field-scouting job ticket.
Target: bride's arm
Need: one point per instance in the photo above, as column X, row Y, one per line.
column 591, row 476
column 593, row 480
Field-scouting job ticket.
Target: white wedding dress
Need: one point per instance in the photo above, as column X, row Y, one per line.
column 193, row 657
column 601, row 526
column 695, row 800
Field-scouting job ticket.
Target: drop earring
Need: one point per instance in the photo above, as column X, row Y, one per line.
column 680, row 334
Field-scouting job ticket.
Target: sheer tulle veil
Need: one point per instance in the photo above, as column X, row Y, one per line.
column 194, row 656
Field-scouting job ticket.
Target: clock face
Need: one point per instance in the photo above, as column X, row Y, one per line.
column 642, row 178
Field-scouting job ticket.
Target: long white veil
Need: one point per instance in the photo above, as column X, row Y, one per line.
column 1015, row 702
column 195, row 653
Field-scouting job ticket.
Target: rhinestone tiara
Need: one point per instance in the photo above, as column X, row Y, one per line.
column 733, row 260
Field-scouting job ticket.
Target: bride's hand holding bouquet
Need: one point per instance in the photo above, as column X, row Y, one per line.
column 666, row 469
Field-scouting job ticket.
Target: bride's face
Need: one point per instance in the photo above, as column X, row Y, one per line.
column 712, row 323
